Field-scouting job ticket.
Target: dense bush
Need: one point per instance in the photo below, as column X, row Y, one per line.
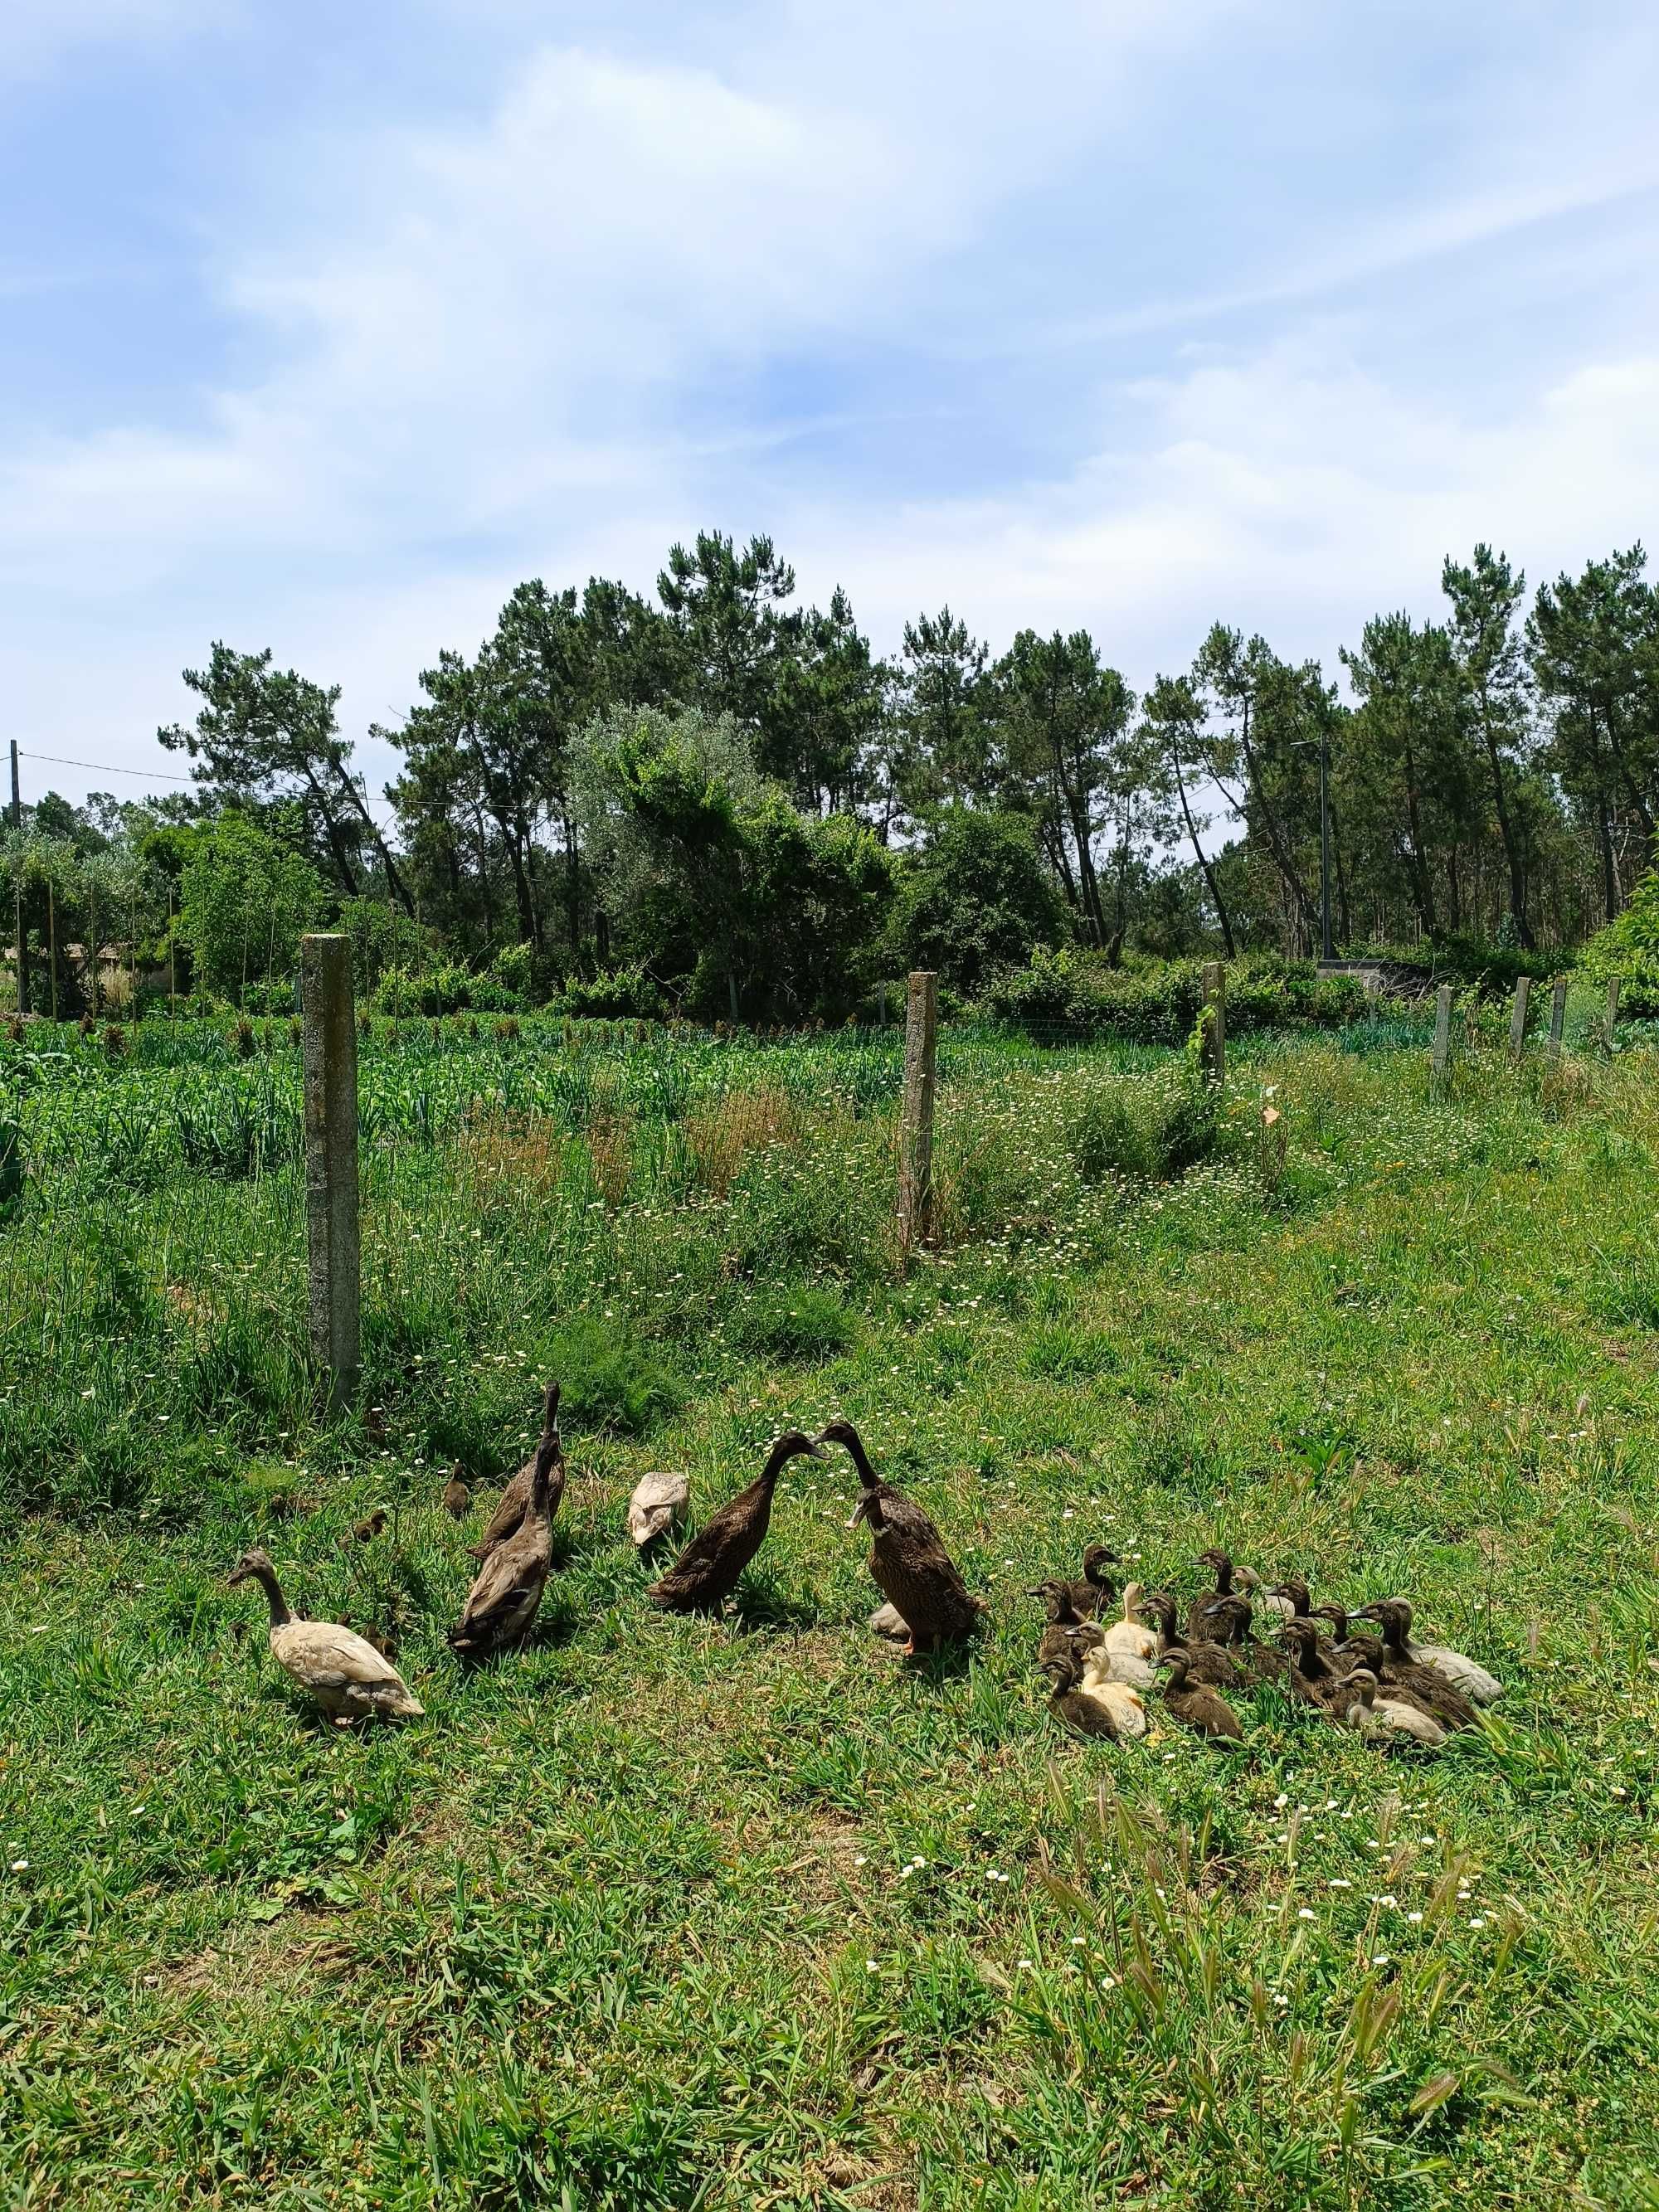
column 1629, row 948
column 1151, row 1128
column 1075, row 990
column 616, row 994
column 977, row 899
column 1488, row 964
column 446, row 987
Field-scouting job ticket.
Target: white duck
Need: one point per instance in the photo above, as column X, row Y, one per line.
column 1394, row 1616
column 1358, row 1707
column 1127, row 1651
column 658, row 1501
column 342, row 1671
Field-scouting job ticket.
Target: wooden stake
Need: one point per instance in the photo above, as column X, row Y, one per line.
column 915, row 1192
column 331, row 1125
column 1441, row 1064
column 1518, row 1018
column 1215, row 1021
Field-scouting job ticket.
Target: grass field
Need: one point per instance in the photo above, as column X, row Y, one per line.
column 672, row 1914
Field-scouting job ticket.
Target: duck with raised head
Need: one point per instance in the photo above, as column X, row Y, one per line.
column 1111, row 1709
column 1197, row 1705
column 1399, row 1676
column 1314, row 1674
column 1363, row 1710
column 1337, row 1615
column 1129, row 1650
column 1097, row 1590
column 1221, row 1566
column 1057, row 1640
column 707, row 1570
column 1206, row 1661
column 1231, row 1624
column 909, row 1563
column 503, row 1602
column 342, row 1670
column 1289, row 1599
column 509, row 1517
column 1393, row 1615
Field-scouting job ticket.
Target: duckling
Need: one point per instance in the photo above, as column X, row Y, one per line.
column 1130, row 1648
column 1478, row 1687
column 1400, row 1677
column 1289, row 1599
column 503, row 1604
column 505, row 1520
column 658, row 1501
column 1275, row 1601
column 457, row 1497
column 342, row 1671
column 1112, row 1710
column 370, row 1526
column 1311, row 1674
column 1362, row 1709
column 910, row 1564
column 1096, row 1588
column 1337, row 1617
column 1195, row 1704
column 1206, row 1662
column 1232, row 1627
column 706, row 1572
column 1057, row 1639
column 1221, row 1565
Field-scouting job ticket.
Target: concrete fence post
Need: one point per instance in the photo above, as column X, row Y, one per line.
column 1518, row 1018
column 1215, row 1021
column 1612, row 1008
column 333, row 1247
column 1441, row 1064
column 915, row 1192
column 1558, row 1016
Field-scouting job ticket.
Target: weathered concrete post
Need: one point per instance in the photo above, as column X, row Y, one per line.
column 331, row 1124
column 1441, row 1064
column 1612, row 1008
column 1518, row 1018
column 915, row 1192
column 1215, row 1021
column 1558, row 1016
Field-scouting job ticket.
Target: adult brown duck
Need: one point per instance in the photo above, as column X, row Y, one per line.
column 706, row 1572
column 1196, row 1705
column 503, row 1602
column 907, row 1558
column 509, row 1517
column 342, row 1670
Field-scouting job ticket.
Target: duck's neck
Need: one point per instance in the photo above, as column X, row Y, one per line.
column 1223, row 1579
column 860, row 1458
column 280, row 1615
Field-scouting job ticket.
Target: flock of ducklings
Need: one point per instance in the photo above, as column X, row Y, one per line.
column 1382, row 1685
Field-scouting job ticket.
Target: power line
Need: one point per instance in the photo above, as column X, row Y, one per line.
column 145, row 774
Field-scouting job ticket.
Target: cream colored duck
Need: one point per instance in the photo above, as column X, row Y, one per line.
column 342, row 1670
column 1127, row 1651
column 1361, row 1708
column 658, row 1501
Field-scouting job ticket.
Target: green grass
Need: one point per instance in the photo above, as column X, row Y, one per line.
column 674, row 1913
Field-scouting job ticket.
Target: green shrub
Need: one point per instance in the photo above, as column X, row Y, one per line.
column 1148, row 1129
column 807, row 1322
column 11, row 1161
column 618, row 994
column 1158, row 1003
column 610, row 1380
column 1629, row 948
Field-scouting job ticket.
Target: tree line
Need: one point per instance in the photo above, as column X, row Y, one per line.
column 730, row 792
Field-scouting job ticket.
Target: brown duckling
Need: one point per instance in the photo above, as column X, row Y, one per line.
column 1231, row 1621
column 909, row 1563
column 505, row 1521
column 1290, row 1598
column 1363, row 1710
column 1057, row 1639
column 1220, row 1565
column 342, row 1670
column 1112, row 1710
column 1404, row 1678
column 1206, row 1662
column 1097, row 1590
column 370, row 1526
column 457, row 1497
column 1394, row 1616
column 1337, row 1617
column 503, row 1602
column 1312, row 1675
column 1196, row 1704
column 706, row 1572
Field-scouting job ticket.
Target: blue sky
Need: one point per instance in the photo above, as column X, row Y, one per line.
column 320, row 327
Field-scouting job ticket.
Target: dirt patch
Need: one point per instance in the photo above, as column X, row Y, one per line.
column 286, row 1958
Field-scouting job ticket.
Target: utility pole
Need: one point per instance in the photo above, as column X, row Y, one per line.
column 17, row 887
column 1325, row 844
